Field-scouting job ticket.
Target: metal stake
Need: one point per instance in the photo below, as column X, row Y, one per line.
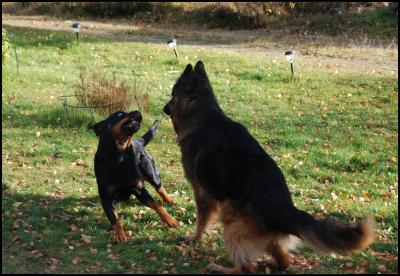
column 292, row 68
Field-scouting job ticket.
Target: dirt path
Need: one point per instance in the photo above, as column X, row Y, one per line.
column 328, row 52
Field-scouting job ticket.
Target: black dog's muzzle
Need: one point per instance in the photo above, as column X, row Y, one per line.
column 132, row 125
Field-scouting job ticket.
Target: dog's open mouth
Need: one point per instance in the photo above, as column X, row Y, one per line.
column 130, row 127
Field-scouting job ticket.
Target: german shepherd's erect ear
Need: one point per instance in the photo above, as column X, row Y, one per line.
column 191, row 93
column 188, row 70
column 203, row 83
column 200, row 72
column 199, row 68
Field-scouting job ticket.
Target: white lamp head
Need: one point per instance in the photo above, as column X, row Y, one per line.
column 172, row 43
column 290, row 56
column 77, row 27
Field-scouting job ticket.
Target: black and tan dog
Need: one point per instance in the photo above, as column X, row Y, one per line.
column 122, row 165
column 234, row 177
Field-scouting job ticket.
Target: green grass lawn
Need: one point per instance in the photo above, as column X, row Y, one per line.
column 333, row 133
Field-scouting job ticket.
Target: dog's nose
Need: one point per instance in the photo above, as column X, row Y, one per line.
column 135, row 115
column 136, row 124
column 166, row 110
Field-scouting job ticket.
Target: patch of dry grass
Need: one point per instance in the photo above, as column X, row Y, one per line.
column 108, row 95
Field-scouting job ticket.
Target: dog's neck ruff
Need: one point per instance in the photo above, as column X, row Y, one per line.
column 182, row 135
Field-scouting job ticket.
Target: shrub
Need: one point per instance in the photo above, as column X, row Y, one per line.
column 113, row 9
column 240, row 15
column 5, row 45
column 107, row 95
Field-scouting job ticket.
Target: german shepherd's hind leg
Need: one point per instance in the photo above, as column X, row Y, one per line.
column 244, row 242
column 281, row 256
column 241, row 254
column 230, row 270
column 206, row 211
column 278, row 247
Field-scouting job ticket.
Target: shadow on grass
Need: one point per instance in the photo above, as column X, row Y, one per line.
column 49, row 225
column 55, row 117
column 60, row 209
column 46, row 222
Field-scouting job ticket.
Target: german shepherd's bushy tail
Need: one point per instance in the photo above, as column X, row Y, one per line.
column 332, row 236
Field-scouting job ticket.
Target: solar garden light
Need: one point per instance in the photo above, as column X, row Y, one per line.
column 172, row 44
column 290, row 56
column 77, row 27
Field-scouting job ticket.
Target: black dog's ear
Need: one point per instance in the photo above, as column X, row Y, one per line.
column 202, row 79
column 188, row 70
column 200, row 72
column 199, row 68
column 98, row 128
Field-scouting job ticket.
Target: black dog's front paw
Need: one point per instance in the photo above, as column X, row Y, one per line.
column 156, row 123
column 155, row 126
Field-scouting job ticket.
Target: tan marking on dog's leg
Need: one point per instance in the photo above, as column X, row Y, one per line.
column 167, row 218
column 281, row 257
column 165, row 197
column 219, row 268
column 206, row 212
column 118, row 231
column 243, row 238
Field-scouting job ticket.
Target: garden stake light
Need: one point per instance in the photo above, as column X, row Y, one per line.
column 77, row 27
column 172, row 44
column 290, row 56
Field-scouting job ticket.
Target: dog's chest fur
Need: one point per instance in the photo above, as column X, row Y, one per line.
column 121, row 171
column 190, row 154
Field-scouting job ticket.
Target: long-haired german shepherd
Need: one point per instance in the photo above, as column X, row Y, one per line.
column 234, row 177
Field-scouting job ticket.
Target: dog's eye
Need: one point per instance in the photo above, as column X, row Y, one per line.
column 120, row 114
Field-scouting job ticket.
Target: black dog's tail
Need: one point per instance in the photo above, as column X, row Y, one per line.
column 145, row 139
column 331, row 236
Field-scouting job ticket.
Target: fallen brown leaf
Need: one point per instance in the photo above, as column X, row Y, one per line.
column 73, row 228
column 86, row 239
column 37, row 253
column 80, row 162
column 112, row 256
column 15, row 238
column 77, row 260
